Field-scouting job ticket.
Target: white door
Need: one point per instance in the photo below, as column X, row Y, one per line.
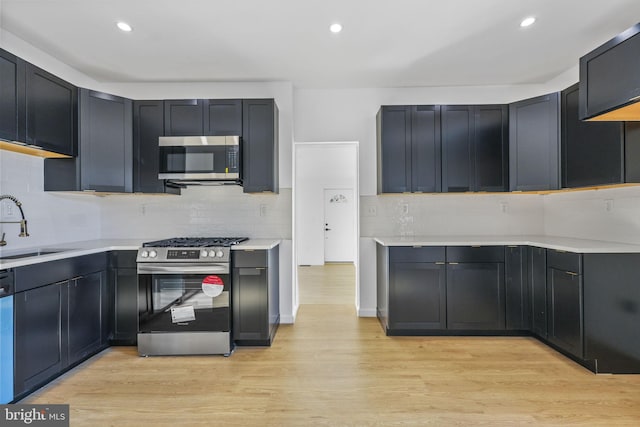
column 339, row 225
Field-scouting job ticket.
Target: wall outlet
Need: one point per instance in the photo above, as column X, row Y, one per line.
column 8, row 209
column 608, row 205
column 504, row 207
column 263, row 210
column 371, row 211
column 404, row 207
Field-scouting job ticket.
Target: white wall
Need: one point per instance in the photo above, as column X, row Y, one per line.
column 51, row 218
column 611, row 214
column 319, row 166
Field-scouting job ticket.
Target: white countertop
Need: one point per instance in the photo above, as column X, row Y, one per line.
column 549, row 242
column 74, row 249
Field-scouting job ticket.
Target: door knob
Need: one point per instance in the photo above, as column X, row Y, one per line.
column 327, row 229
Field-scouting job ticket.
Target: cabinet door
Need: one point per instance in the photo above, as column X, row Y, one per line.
column 38, row 336
column 564, row 298
column 125, row 311
column 106, row 147
column 184, row 117
column 458, row 166
column 534, row 143
column 425, row 152
column 224, row 117
column 11, row 85
column 475, row 296
column 518, row 313
column 592, row 152
column 394, row 148
column 491, row 147
column 417, row 296
column 51, row 112
column 250, row 304
column 260, row 145
column 85, row 316
column 538, row 283
column 148, row 126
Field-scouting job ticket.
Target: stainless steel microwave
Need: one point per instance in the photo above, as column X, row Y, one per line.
column 196, row 158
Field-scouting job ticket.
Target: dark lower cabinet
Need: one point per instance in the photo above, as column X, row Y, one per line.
column 87, row 321
column 517, row 294
column 564, row 302
column 60, row 324
column 612, row 312
column 39, row 336
column 259, row 145
column 417, row 291
column 537, row 271
column 475, row 296
column 255, row 296
column 124, row 291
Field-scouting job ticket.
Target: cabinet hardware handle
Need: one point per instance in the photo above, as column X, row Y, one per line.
column 417, row 246
column 570, row 273
column 512, row 246
column 440, row 263
column 453, row 263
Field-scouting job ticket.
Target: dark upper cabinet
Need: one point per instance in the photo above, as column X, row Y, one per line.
column 51, row 111
column 458, row 165
column 196, row 117
column 106, row 147
column 11, row 94
column 517, row 294
column 184, row 117
column 474, row 148
column 148, row 126
column 104, row 161
column 592, row 152
column 564, row 301
column 534, row 143
column 537, row 271
column 223, row 117
column 417, row 289
column 259, row 145
column 610, row 78
column 409, row 149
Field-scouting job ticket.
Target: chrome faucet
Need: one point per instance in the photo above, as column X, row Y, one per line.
column 22, row 222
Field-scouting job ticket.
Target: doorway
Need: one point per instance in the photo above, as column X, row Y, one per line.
column 323, row 172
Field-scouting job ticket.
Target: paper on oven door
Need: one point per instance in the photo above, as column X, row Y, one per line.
column 183, row 314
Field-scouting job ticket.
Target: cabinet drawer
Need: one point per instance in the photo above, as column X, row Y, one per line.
column 417, row 254
column 567, row 261
column 250, row 258
column 475, row 254
column 36, row 275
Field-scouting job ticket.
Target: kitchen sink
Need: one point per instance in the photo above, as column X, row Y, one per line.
column 33, row 253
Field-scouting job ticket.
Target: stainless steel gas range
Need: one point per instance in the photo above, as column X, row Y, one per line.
column 184, row 294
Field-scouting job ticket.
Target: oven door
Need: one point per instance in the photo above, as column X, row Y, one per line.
column 172, row 298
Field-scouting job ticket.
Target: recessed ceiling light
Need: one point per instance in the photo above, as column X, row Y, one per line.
column 526, row 22
column 335, row 28
column 124, row 26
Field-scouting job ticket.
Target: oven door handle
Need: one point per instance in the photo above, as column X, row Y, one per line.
column 183, row 269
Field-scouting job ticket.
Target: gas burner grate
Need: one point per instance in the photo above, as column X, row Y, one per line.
column 195, row 242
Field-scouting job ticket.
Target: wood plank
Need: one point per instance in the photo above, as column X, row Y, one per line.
column 332, row 368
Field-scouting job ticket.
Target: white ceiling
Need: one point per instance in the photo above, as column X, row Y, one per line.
column 384, row 43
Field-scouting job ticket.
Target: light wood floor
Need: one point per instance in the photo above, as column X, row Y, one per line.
column 334, row 369
column 327, row 284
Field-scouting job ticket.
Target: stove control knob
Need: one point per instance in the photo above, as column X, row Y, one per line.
column 212, row 254
column 219, row 254
column 203, row 254
column 144, row 254
column 153, row 254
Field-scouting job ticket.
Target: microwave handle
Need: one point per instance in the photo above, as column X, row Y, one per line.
column 183, row 269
